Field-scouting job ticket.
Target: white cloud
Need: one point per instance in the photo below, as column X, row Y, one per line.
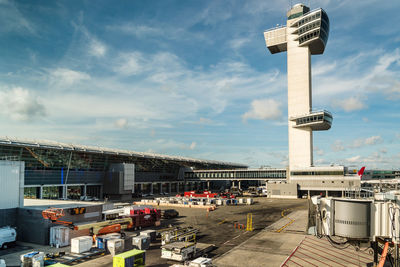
column 338, row 146
column 130, row 64
column 323, row 68
column 238, row 43
column 13, row 20
column 264, row 109
column 63, row 77
column 121, row 123
column 349, row 104
column 137, row 30
column 205, row 121
column 164, row 145
column 372, row 140
column 354, row 159
column 319, row 151
column 374, row 72
column 21, row 104
column 192, row 145
column 97, row 48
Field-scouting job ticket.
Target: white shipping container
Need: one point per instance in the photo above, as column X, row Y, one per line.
column 115, row 246
column 249, row 201
column 141, row 242
column 59, row 236
column 81, row 244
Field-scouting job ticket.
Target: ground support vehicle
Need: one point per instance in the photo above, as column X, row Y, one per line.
column 187, row 234
column 169, row 214
column 178, row 251
column 199, row 262
column 183, row 251
column 96, row 228
column 8, row 235
column 144, row 217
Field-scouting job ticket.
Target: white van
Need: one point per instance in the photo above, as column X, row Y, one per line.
column 7, row 235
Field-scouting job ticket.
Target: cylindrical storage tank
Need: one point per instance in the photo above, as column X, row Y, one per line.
column 352, row 218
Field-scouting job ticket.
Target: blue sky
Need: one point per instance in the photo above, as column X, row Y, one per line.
column 194, row 78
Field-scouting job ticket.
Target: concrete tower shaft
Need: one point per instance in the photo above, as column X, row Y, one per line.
column 305, row 34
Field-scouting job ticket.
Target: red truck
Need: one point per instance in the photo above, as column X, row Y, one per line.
column 145, row 217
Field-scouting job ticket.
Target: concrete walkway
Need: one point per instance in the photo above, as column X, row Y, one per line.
column 285, row 243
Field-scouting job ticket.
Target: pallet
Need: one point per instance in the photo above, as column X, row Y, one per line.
column 72, row 257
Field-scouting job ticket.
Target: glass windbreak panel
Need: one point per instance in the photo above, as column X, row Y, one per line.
column 31, row 192
column 74, row 192
column 51, row 192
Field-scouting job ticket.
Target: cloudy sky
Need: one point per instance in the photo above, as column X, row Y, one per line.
column 194, row 78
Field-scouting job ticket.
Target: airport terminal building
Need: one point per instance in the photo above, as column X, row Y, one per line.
column 55, row 170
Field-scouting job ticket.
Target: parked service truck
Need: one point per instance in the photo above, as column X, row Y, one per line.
column 183, row 251
column 8, row 236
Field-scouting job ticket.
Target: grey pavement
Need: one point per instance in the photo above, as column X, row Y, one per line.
column 291, row 247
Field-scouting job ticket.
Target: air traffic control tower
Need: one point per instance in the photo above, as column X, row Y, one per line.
column 305, row 34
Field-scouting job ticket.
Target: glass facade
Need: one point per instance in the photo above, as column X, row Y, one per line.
column 56, row 166
column 325, row 117
column 248, row 174
column 314, row 25
column 307, row 173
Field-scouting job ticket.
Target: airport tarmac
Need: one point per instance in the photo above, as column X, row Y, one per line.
column 215, row 227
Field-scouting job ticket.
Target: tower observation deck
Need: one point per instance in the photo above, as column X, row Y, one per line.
column 305, row 34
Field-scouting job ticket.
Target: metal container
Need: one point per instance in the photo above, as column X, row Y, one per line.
column 38, row 260
column 59, row 236
column 112, row 235
column 128, row 243
column 81, row 244
column 150, row 233
column 352, row 218
column 26, row 259
column 141, row 242
column 249, row 201
column 115, row 246
column 130, row 258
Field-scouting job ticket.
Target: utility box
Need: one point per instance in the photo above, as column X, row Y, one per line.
column 81, row 244
column 141, row 242
column 152, row 234
column 115, row 246
column 132, row 258
column 59, row 236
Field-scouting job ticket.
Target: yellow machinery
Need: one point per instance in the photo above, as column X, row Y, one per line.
column 249, row 222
